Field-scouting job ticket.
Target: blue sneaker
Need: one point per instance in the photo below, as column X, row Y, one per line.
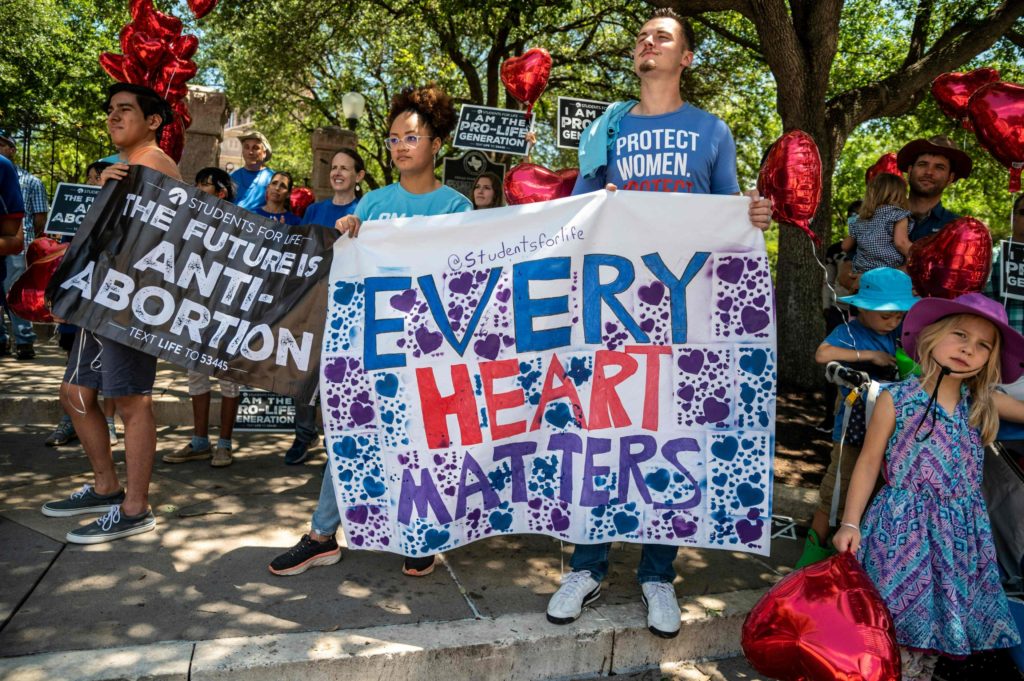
column 84, row 500
column 114, row 525
column 299, row 451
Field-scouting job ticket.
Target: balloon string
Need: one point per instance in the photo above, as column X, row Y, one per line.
column 529, row 147
column 834, row 295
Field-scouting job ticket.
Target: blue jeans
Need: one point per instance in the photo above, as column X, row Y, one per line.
column 655, row 562
column 305, row 422
column 326, row 517
column 23, row 333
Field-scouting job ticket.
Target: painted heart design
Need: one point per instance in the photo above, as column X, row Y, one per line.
column 725, row 449
column 955, row 260
column 754, row 362
column 531, row 183
column 357, row 514
column 730, row 271
column 488, row 347
column 435, row 539
column 559, row 521
column 361, row 413
column 826, row 621
column 404, row 301
column 952, row 91
column 526, row 76
column 500, row 521
column 691, row 362
column 428, row 340
column 336, row 369
column 749, row 531
column 652, row 294
column 387, row 385
column 749, row 495
column 625, row 523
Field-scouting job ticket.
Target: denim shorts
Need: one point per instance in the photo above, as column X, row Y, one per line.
column 109, row 366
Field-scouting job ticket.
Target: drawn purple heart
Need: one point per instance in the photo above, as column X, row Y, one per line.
column 683, row 527
column 361, row 413
column 333, row 401
column 455, row 313
column 692, row 362
column 503, row 294
column 686, row 393
column 753, row 319
column 647, row 325
column 724, row 304
column 730, row 271
column 404, row 301
column 357, row 514
column 559, row 521
column 759, row 301
column 749, row 531
column 428, row 340
column 652, row 294
column 535, row 503
column 751, row 264
column 488, row 346
column 336, row 369
column 715, row 411
column 462, row 283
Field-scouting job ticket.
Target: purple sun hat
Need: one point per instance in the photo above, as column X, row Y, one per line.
column 931, row 310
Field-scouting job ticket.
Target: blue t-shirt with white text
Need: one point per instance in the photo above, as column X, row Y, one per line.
column 687, row 150
column 251, row 187
column 393, row 201
column 325, row 213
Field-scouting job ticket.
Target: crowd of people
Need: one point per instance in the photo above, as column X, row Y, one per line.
column 926, row 531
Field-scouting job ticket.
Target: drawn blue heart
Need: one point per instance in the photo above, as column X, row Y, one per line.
column 725, row 449
column 658, row 480
column 749, row 495
column 387, row 385
column 500, row 521
column 754, row 362
column 720, row 479
column 625, row 523
column 373, row 486
column 346, row 448
column 436, row 538
column 387, row 416
column 344, row 292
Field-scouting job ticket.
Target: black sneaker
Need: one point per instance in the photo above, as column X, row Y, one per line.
column 299, row 451
column 26, row 351
column 114, row 525
column 304, row 555
column 84, row 500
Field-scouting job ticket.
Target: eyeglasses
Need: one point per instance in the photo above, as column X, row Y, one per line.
column 409, row 140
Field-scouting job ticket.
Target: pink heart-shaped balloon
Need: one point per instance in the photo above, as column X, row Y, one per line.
column 952, row 91
column 824, row 622
column 955, row 260
column 526, row 76
column 791, row 177
column 997, row 113
column 530, row 183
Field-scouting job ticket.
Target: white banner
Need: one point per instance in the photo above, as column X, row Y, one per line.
column 597, row 368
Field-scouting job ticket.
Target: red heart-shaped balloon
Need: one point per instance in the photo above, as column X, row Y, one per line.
column 175, row 72
column 151, row 53
column 180, row 107
column 791, row 177
column 997, row 113
column 201, row 7
column 27, row 297
column 150, row 21
column 113, row 64
column 172, row 139
column 301, row 198
column 952, row 91
column 526, row 76
column 824, row 622
column 185, row 47
column 886, row 163
column 530, row 183
column 955, row 260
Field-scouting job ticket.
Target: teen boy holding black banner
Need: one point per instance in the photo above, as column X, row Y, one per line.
column 135, row 117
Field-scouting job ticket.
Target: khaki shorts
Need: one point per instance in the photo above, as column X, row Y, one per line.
column 850, row 456
column 199, row 384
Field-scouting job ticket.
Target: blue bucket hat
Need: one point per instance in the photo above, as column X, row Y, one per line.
column 884, row 289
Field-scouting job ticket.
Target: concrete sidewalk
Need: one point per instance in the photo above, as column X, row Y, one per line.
column 194, row 600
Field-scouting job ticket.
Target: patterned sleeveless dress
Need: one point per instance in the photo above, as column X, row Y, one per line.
column 927, row 542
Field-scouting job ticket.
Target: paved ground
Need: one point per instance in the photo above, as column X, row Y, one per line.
column 202, row 574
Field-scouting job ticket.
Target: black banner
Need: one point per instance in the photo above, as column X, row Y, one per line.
column 71, row 203
column 260, row 411
column 1012, row 264
column 169, row 270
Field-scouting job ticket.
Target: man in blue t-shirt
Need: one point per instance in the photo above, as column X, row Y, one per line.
column 931, row 166
column 12, row 210
column 659, row 143
column 251, row 180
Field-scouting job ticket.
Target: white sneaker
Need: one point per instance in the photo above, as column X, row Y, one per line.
column 578, row 589
column 663, row 614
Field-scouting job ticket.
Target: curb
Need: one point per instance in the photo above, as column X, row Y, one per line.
column 606, row 640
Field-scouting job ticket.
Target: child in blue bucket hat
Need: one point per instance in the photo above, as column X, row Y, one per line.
column 867, row 342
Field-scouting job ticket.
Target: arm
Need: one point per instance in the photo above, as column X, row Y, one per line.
column 847, row 278
column 38, row 224
column 849, row 242
column 830, row 353
column 1008, row 408
column 901, row 237
column 12, row 238
column 865, row 473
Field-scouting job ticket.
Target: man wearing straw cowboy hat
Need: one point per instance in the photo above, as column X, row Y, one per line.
column 931, row 165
